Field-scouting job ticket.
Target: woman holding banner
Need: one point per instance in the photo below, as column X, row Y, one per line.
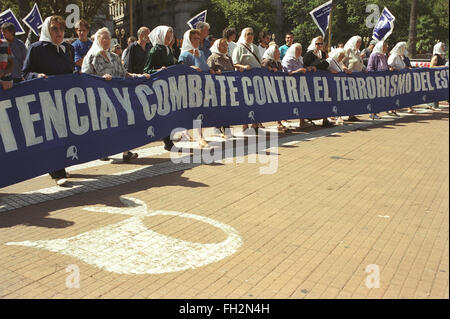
column 50, row 56
column 336, row 65
column 438, row 60
column 271, row 61
column 316, row 57
column 191, row 56
column 293, row 63
column 354, row 60
column 100, row 61
column 378, row 62
column 220, row 62
column 160, row 57
column 396, row 62
column 247, row 54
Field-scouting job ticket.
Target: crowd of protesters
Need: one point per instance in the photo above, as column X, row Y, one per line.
column 155, row 50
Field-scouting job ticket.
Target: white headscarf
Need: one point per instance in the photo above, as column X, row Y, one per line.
column 46, row 37
column 351, row 44
column 96, row 48
column 270, row 52
column 158, row 36
column 215, row 48
column 399, row 49
column 378, row 49
column 290, row 53
column 312, row 47
column 242, row 37
column 187, row 44
column 334, row 54
column 439, row 49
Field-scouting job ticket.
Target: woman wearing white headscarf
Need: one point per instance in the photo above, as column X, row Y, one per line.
column 271, row 59
column 396, row 61
column 292, row 63
column 50, row 56
column 316, row 56
column 438, row 60
column 378, row 62
column 219, row 60
column 246, row 53
column 160, row 56
column 190, row 54
column 335, row 61
column 353, row 59
column 102, row 62
column 336, row 65
column 195, row 58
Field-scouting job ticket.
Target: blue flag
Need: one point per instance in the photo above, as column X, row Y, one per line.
column 201, row 17
column 8, row 16
column 384, row 26
column 321, row 16
column 34, row 20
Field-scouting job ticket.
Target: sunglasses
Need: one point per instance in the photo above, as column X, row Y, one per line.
column 320, row 43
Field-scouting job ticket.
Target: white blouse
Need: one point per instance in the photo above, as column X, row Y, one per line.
column 396, row 62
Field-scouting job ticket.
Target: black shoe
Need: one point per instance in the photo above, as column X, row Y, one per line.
column 129, row 156
column 168, row 145
column 327, row 124
column 104, row 159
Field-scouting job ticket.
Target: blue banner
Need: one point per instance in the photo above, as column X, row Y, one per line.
column 384, row 26
column 321, row 16
column 34, row 20
column 8, row 16
column 48, row 124
column 201, row 17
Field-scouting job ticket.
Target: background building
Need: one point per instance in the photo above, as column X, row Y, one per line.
column 174, row 13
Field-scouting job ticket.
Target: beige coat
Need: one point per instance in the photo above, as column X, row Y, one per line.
column 353, row 61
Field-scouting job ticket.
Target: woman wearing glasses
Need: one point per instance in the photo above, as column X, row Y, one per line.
column 316, row 57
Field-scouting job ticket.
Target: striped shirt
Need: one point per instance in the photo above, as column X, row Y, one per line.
column 5, row 54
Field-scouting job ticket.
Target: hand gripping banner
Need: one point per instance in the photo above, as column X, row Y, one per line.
column 48, row 124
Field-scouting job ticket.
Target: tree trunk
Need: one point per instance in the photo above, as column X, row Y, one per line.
column 412, row 38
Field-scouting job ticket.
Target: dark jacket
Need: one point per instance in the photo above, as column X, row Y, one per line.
column 310, row 59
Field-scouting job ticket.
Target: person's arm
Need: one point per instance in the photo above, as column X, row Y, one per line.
column 130, row 59
column 154, row 62
column 78, row 59
column 434, row 61
column 88, row 65
column 5, row 75
column 29, row 65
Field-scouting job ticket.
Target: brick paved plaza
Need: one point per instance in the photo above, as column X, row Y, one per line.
column 345, row 204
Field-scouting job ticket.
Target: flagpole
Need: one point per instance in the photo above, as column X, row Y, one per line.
column 329, row 28
column 131, row 17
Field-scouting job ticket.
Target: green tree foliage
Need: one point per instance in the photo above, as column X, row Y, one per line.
column 349, row 18
column 239, row 14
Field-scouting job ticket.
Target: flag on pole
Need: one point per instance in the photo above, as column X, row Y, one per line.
column 321, row 16
column 384, row 26
column 8, row 16
column 201, row 17
column 34, row 20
